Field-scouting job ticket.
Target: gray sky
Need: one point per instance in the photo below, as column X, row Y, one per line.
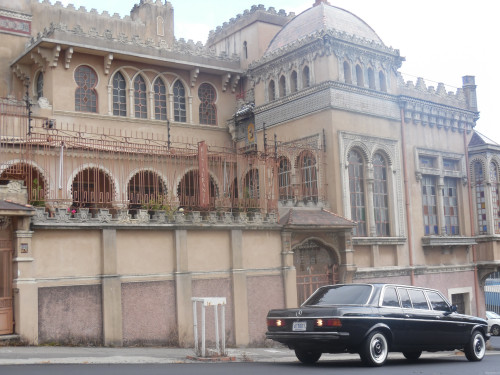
column 442, row 40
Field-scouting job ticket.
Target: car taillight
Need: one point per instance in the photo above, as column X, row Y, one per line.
column 328, row 323
column 275, row 323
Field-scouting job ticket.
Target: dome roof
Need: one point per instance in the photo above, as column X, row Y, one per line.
column 322, row 17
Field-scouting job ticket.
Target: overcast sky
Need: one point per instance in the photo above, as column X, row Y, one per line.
column 442, row 40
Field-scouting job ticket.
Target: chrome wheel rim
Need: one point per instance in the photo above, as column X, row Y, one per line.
column 378, row 348
column 479, row 346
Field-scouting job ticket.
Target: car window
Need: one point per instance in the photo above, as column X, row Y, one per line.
column 418, row 299
column 437, row 302
column 405, row 298
column 341, row 295
column 390, row 298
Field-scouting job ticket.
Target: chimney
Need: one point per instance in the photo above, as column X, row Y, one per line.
column 469, row 87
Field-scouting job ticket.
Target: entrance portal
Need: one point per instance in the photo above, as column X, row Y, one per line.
column 315, row 265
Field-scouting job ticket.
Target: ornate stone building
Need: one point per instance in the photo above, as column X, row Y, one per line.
column 138, row 171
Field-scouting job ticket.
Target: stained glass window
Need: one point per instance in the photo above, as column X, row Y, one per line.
column 119, row 95
column 208, row 111
column 179, row 102
column 85, row 94
column 357, row 192
column 160, row 100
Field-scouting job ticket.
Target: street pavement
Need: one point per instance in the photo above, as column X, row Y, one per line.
column 23, row 355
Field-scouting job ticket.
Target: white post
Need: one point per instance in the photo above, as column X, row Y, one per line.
column 223, row 330
column 203, row 353
column 217, row 345
column 195, row 327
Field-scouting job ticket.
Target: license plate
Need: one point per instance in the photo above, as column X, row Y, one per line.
column 299, row 326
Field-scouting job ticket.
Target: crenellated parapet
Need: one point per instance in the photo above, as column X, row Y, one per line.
column 256, row 12
column 123, row 42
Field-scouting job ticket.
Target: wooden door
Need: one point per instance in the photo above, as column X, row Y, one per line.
column 6, row 311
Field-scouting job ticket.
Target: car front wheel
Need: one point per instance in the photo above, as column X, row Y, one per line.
column 495, row 330
column 307, row 356
column 375, row 349
column 476, row 347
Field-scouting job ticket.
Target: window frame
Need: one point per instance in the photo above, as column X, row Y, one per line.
column 86, row 93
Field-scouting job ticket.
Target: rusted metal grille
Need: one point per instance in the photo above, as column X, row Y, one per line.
column 75, row 166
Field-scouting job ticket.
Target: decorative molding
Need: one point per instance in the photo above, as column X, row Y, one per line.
column 234, row 82
column 225, row 80
column 108, row 59
column 193, row 75
column 51, row 56
column 67, row 57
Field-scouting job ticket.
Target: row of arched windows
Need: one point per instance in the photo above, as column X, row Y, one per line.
column 86, row 97
column 281, row 89
column 370, row 79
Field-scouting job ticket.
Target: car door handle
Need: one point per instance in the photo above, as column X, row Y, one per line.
column 407, row 316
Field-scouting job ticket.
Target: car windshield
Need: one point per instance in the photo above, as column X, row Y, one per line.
column 492, row 315
column 340, row 295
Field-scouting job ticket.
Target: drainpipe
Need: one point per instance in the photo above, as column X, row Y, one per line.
column 407, row 195
column 471, row 219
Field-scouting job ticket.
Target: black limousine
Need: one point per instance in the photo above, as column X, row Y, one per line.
column 375, row 319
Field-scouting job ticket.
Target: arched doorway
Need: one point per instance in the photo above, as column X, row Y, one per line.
column 316, row 265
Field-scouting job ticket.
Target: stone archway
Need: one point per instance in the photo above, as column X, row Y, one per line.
column 316, row 265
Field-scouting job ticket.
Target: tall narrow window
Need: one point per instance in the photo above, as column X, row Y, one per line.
column 429, row 203
column 208, row 110
column 450, row 205
column 371, row 79
column 383, row 82
column 282, row 86
column 160, row 26
column 284, row 180
column 245, row 49
column 85, row 94
column 347, row 73
column 119, row 95
column 272, row 91
column 39, row 85
column 179, row 102
column 293, row 82
column 359, row 76
column 380, row 195
column 357, row 192
column 251, row 186
column 140, row 98
column 308, row 177
column 495, row 203
column 481, row 212
column 306, row 77
column 160, row 100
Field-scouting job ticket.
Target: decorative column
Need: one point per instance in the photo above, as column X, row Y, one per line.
column 288, row 270
column 24, row 283
column 111, row 291
column 369, row 204
column 239, row 281
column 440, row 206
column 183, row 290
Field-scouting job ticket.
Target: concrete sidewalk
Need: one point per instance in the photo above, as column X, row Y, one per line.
column 21, row 355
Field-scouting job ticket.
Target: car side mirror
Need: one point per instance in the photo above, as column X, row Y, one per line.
column 452, row 309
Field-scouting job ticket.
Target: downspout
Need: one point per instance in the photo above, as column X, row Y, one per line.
column 407, row 195
column 471, row 218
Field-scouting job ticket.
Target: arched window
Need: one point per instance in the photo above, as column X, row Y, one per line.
column 32, row 179
column 285, row 180
column 146, row 190
column 188, row 190
column 272, row 91
column 308, row 177
column 347, row 73
column 140, row 98
column 383, row 82
column 357, row 192
column 495, row 202
column 39, row 85
column 208, row 110
column 160, row 100
column 306, row 77
column 160, row 28
column 251, row 188
column 282, row 86
column 92, row 188
column 371, row 79
column 293, row 82
column 245, row 49
column 119, row 95
column 359, row 76
column 481, row 210
column 85, row 94
column 380, row 195
column 179, row 102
